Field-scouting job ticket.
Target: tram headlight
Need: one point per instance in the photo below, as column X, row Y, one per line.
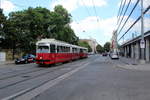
column 40, row 57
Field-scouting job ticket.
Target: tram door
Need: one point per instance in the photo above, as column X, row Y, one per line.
column 53, row 52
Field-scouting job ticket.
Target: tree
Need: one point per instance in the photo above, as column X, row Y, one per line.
column 2, row 22
column 2, row 25
column 85, row 44
column 99, row 48
column 63, row 31
column 107, row 46
column 26, row 27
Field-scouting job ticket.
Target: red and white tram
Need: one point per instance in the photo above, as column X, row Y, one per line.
column 51, row 51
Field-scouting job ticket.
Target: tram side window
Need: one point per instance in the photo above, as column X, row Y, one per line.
column 58, row 49
column 73, row 50
column 81, row 51
column 84, row 50
column 68, row 49
column 42, row 49
column 52, row 48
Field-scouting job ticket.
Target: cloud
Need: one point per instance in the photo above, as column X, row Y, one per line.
column 95, row 23
column 102, row 28
column 98, row 3
column 71, row 5
column 7, row 6
column 136, row 29
column 146, row 3
column 126, row 3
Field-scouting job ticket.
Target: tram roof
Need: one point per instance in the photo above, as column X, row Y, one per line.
column 57, row 42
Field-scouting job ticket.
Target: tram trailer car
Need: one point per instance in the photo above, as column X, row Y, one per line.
column 51, row 51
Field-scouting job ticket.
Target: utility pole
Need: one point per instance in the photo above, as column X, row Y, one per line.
column 115, row 40
column 142, row 42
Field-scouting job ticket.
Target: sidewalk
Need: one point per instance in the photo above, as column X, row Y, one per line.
column 129, row 61
column 133, row 64
column 6, row 62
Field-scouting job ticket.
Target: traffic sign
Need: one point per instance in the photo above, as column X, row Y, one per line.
column 142, row 44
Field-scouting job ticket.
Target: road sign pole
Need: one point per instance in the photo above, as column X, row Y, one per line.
column 142, row 43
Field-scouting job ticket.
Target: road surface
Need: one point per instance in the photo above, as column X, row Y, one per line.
column 94, row 78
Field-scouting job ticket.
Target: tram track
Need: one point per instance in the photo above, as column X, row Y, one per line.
column 16, row 73
column 54, row 79
column 32, row 77
column 28, row 78
column 16, row 69
column 11, row 76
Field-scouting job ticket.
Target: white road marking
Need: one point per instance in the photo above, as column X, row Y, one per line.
column 17, row 94
column 35, row 92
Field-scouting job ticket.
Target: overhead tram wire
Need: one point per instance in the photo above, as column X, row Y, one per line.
column 95, row 11
column 86, row 8
column 128, row 16
column 134, row 23
column 119, row 9
column 79, row 25
column 21, row 6
column 124, row 14
column 75, row 19
column 122, row 10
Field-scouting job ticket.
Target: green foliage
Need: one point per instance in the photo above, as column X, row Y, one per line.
column 85, row 44
column 2, row 22
column 99, row 48
column 24, row 28
column 107, row 46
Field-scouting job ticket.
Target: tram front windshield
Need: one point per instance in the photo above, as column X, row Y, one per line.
column 43, row 49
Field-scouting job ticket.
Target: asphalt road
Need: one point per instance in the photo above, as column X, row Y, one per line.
column 94, row 78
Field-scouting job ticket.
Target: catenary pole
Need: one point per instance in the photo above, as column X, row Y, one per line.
column 142, row 35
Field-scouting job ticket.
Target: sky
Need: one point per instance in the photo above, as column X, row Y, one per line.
column 90, row 18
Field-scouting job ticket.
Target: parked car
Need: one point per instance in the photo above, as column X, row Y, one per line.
column 29, row 58
column 91, row 53
column 104, row 54
column 114, row 55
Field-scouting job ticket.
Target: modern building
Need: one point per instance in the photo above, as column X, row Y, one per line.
column 92, row 43
column 130, row 28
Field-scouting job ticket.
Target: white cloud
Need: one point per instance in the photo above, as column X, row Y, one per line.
column 87, row 24
column 98, row 3
column 136, row 29
column 108, row 25
column 71, row 5
column 7, row 6
column 127, row 1
column 105, row 27
column 146, row 24
column 146, row 3
column 90, row 24
column 68, row 4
